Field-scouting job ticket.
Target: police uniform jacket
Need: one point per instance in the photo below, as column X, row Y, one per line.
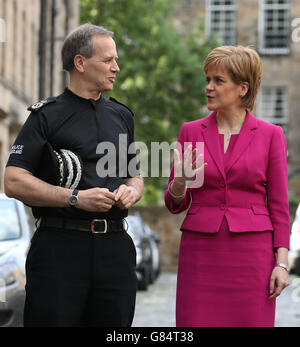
column 98, row 131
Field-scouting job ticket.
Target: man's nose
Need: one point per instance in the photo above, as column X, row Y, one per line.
column 115, row 67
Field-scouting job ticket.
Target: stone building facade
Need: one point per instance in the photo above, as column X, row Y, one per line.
column 272, row 27
column 31, row 36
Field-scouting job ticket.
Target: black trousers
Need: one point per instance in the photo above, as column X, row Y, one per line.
column 78, row 279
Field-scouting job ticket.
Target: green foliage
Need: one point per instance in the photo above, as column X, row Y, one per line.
column 151, row 195
column 161, row 76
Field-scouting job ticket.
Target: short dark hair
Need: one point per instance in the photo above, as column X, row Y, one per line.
column 79, row 41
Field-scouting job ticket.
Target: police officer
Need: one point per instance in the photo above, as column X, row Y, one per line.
column 81, row 264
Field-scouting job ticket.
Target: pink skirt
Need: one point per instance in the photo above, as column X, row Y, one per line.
column 223, row 279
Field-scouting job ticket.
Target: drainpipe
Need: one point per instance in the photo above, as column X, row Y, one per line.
column 52, row 46
column 67, row 28
column 42, row 48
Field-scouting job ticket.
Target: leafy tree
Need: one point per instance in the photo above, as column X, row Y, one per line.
column 161, row 76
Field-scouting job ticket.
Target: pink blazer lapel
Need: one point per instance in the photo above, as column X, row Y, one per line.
column 211, row 138
column 210, row 135
column 244, row 139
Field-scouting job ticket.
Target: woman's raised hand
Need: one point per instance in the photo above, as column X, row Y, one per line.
column 187, row 168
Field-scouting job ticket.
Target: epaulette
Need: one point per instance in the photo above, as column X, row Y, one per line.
column 40, row 104
column 113, row 99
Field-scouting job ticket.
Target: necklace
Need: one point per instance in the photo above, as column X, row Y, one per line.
column 226, row 132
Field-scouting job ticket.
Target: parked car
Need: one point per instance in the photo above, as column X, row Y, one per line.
column 147, row 251
column 16, row 229
column 155, row 256
column 294, row 252
column 15, row 235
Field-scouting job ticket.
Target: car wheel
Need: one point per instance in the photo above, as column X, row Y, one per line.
column 144, row 282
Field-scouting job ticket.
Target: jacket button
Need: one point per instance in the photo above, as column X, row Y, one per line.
column 222, row 207
column 222, row 184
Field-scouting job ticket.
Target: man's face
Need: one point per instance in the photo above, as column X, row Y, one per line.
column 101, row 69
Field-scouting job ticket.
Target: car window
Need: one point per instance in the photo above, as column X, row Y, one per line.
column 9, row 221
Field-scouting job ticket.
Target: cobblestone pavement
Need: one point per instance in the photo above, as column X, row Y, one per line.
column 156, row 306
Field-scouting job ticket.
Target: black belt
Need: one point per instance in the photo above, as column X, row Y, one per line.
column 96, row 226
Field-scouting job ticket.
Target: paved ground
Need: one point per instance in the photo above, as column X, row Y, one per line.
column 156, row 306
column 288, row 305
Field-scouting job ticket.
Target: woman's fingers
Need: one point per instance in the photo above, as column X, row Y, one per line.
column 176, row 156
column 188, row 166
column 278, row 281
column 202, row 167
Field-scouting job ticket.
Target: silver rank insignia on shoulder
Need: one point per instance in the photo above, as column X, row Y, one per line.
column 40, row 104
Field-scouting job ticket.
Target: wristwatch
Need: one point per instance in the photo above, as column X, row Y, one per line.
column 73, row 199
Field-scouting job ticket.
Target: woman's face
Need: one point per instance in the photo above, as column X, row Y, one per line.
column 221, row 92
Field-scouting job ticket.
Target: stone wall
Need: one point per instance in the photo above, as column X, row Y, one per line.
column 20, row 79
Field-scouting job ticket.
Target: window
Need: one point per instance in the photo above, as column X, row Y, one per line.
column 221, row 20
column 274, row 26
column 272, row 105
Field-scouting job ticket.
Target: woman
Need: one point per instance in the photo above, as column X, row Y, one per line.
column 235, row 237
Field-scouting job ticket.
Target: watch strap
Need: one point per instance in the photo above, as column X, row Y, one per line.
column 74, row 194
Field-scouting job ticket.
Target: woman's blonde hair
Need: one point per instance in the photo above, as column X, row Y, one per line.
column 243, row 65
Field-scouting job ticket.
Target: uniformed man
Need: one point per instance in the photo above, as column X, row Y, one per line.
column 81, row 264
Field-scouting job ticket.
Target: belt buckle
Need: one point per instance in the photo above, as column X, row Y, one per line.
column 93, row 226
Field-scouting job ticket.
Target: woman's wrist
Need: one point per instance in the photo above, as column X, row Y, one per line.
column 283, row 266
column 177, row 189
column 281, row 254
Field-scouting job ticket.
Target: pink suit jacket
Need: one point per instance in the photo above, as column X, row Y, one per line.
column 252, row 193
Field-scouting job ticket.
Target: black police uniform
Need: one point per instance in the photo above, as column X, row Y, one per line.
column 78, row 278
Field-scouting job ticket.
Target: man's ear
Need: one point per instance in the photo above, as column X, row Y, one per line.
column 79, row 63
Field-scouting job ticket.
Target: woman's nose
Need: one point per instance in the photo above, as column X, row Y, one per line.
column 209, row 86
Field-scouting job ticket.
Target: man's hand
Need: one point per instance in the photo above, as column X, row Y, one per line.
column 125, row 196
column 96, row 200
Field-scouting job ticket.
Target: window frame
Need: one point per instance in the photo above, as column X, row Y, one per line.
column 261, row 102
column 208, row 25
column 261, row 28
